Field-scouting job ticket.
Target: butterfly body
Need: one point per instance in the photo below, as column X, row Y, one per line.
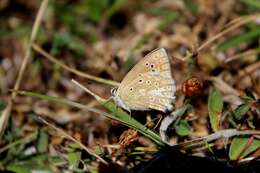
column 148, row 85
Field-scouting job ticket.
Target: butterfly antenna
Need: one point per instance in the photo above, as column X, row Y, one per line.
column 88, row 91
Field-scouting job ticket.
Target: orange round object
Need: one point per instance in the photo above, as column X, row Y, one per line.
column 192, row 87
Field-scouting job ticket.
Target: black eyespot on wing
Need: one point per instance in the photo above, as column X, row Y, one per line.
column 131, row 89
column 152, row 65
column 140, row 80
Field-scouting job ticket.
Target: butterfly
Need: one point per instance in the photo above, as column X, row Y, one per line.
column 148, row 85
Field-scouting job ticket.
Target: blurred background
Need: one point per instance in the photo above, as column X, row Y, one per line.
column 105, row 38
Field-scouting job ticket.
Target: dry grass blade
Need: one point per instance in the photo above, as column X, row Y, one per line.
column 248, row 70
column 235, row 24
column 72, row 139
column 227, row 133
column 79, row 73
column 243, row 54
column 6, row 113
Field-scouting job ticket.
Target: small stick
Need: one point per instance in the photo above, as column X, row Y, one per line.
column 54, row 60
column 72, row 139
column 234, row 25
column 228, row 133
column 36, row 25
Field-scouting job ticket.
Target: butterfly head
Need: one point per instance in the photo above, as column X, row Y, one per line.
column 118, row 100
column 114, row 91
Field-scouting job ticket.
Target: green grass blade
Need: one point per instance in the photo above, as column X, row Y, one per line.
column 119, row 114
column 239, row 148
column 132, row 123
column 215, row 106
column 252, row 3
column 237, row 40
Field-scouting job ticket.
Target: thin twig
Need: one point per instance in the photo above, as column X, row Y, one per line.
column 228, row 133
column 223, row 86
column 77, row 72
column 228, row 28
column 235, row 25
column 248, row 70
column 243, row 54
column 89, row 151
column 6, row 113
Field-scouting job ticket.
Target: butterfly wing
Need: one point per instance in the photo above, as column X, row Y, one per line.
column 149, row 85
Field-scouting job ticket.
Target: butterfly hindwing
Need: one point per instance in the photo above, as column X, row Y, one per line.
column 149, row 84
column 154, row 93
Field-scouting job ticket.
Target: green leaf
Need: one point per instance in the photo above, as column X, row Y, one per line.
column 60, row 40
column 116, row 6
column 74, row 146
column 237, row 147
column 96, row 10
column 252, row 3
column 250, row 94
column 42, row 141
column 215, row 106
column 183, row 128
column 247, row 98
column 235, row 41
column 63, row 40
column 167, row 14
column 231, row 120
column 254, row 146
column 241, row 110
column 39, row 162
column 17, row 168
column 74, row 158
column 191, row 6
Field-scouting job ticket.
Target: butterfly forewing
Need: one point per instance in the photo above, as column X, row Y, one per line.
column 149, row 84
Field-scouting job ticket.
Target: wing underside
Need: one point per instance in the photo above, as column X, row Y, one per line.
column 149, row 85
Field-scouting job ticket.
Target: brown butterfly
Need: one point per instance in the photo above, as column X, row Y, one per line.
column 148, row 85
